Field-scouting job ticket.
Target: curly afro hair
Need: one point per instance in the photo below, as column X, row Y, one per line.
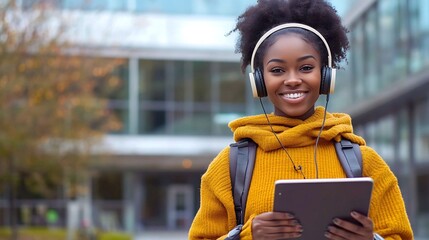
column 266, row 14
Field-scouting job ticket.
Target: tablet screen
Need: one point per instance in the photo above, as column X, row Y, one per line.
column 316, row 202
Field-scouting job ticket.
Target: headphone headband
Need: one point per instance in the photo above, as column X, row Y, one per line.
column 284, row 26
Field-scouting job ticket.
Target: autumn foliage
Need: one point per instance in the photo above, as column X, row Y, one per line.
column 53, row 105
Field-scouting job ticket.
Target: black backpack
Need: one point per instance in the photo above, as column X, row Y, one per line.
column 242, row 160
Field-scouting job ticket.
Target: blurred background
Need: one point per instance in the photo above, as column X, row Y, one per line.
column 112, row 110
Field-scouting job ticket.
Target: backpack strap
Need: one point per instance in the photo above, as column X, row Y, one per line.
column 242, row 160
column 350, row 157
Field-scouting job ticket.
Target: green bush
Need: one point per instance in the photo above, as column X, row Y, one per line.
column 113, row 236
column 34, row 234
column 41, row 233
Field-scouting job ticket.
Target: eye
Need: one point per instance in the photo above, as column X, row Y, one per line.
column 276, row 70
column 307, row 68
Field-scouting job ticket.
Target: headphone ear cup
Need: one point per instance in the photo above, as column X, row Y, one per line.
column 325, row 82
column 260, row 84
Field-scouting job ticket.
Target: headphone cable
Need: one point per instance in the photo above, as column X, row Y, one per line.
column 299, row 168
column 296, row 168
column 318, row 137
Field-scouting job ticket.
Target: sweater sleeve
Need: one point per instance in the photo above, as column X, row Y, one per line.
column 387, row 208
column 216, row 215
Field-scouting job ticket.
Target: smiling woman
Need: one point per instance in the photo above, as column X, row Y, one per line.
column 293, row 48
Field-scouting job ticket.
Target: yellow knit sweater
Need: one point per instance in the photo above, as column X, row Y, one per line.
column 216, row 216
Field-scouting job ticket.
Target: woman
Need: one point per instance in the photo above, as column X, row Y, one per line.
column 292, row 66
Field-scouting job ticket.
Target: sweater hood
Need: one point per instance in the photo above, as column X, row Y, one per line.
column 294, row 132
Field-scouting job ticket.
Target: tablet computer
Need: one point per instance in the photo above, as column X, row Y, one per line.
column 316, row 202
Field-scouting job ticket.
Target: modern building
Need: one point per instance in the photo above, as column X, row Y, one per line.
column 385, row 89
column 183, row 84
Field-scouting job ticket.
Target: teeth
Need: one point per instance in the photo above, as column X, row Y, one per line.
column 294, row 95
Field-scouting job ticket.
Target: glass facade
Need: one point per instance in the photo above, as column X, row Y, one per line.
column 204, row 7
column 422, row 131
column 370, row 80
column 388, row 46
column 93, row 5
column 182, row 7
column 384, row 50
column 419, row 34
column 189, row 97
column 403, row 139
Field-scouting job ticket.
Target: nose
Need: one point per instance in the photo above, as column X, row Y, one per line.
column 292, row 79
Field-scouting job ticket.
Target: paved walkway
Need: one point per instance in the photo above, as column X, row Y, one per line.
column 181, row 235
column 155, row 235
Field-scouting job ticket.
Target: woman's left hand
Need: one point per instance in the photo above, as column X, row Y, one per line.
column 341, row 229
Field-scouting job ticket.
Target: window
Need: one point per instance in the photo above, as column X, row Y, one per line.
column 422, row 131
column 202, row 87
column 370, row 133
column 387, row 35
column 404, row 133
column 379, row 136
column 153, row 121
column 96, row 5
column 164, row 6
column 232, row 84
column 371, row 54
column 402, row 41
column 204, row 7
column 415, row 14
column 182, row 82
column 384, row 137
column 189, row 97
column 153, row 79
column 344, row 88
column 424, row 34
column 357, row 46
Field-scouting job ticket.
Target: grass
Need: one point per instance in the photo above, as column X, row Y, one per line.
column 34, row 233
column 41, row 233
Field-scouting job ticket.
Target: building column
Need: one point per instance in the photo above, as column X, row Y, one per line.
column 132, row 187
column 133, row 100
column 79, row 210
column 138, row 191
column 412, row 203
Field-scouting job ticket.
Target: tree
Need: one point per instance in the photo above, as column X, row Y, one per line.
column 53, row 105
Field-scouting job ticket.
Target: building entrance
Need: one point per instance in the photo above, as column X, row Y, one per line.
column 180, row 206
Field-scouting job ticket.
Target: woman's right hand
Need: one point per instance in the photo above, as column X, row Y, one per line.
column 275, row 225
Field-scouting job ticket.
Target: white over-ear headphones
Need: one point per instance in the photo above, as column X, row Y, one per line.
column 327, row 83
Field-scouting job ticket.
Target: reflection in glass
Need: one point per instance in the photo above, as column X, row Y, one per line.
column 197, row 123
column 232, row 84
column 153, row 78
column 424, row 34
column 153, row 121
column 197, row 7
column 384, row 137
column 202, row 75
column 111, row 5
column 422, row 131
column 404, row 145
column 371, row 54
column 182, row 81
column 387, row 40
column 190, row 97
column 358, row 60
